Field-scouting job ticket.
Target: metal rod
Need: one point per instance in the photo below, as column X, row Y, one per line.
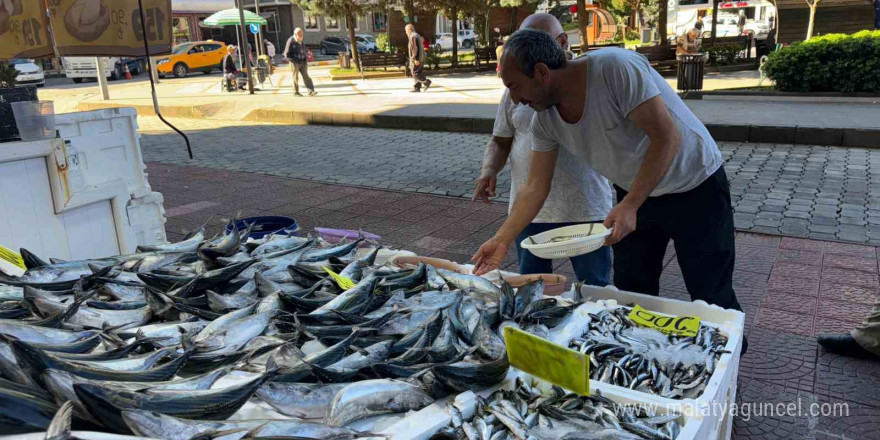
column 153, row 85
column 243, row 27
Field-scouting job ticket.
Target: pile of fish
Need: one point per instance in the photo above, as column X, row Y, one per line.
column 527, row 413
column 623, row 354
column 139, row 343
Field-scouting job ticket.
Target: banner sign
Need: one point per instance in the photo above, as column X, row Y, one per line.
column 23, row 32
column 110, row 27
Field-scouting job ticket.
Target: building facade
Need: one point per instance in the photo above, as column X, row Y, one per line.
column 187, row 15
column 283, row 17
column 832, row 16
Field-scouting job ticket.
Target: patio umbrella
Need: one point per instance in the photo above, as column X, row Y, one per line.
column 230, row 17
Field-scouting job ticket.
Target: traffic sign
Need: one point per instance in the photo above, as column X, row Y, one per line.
column 255, row 28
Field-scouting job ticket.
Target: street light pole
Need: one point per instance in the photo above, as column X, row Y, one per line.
column 246, row 62
column 260, row 50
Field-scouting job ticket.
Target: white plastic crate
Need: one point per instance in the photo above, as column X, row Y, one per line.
column 710, row 408
column 108, row 147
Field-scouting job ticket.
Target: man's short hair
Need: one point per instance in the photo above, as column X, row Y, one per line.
column 530, row 47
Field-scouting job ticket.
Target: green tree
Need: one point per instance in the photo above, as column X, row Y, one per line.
column 456, row 10
column 349, row 9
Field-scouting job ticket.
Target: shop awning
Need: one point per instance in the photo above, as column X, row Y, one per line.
column 200, row 6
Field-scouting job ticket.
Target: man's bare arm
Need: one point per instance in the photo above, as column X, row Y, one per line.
column 529, row 201
column 494, row 159
column 665, row 139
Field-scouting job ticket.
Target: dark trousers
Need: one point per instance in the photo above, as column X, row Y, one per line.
column 301, row 69
column 418, row 75
column 700, row 224
column 593, row 269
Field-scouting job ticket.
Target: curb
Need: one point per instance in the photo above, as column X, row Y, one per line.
column 836, row 137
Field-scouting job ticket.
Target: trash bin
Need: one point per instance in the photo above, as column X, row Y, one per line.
column 690, row 72
column 344, row 61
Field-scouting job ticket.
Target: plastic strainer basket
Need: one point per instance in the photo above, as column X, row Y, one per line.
column 568, row 241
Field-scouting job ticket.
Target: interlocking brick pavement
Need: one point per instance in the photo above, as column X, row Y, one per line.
column 827, row 193
column 807, row 286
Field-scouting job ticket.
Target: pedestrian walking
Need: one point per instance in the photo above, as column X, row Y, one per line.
column 637, row 132
column 578, row 195
column 417, row 59
column 296, row 53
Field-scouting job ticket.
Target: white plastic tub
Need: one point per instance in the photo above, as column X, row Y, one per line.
column 710, row 408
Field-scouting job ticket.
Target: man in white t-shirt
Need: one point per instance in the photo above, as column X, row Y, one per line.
column 578, row 195
column 611, row 110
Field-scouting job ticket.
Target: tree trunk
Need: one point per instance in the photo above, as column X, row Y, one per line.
column 813, row 6
column 355, row 57
column 714, row 20
column 662, row 19
column 582, row 24
column 409, row 10
column 511, row 24
column 455, row 38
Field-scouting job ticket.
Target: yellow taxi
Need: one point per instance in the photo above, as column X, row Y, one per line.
column 195, row 56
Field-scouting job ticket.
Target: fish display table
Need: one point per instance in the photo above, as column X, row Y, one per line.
column 294, row 337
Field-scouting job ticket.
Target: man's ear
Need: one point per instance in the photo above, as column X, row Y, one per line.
column 542, row 72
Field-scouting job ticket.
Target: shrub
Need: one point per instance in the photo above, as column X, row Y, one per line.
column 382, row 42
column 724, row 53
column 833, row 62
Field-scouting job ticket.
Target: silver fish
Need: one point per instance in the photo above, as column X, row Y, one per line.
column 155, row 425
column 301, row 400
column 373, row 397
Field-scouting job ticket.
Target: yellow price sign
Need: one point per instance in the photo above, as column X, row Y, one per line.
column 12, row 257
column 668, row 324
column 344, row 283
column 554, row 363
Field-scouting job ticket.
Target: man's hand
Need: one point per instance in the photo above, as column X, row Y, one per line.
column 489, row 256
column 485, row 188
column 417, row 63
column 623, row 219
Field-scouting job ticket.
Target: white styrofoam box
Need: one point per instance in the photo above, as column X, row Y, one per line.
column 40, row 212
column 713, row 405
column 108, row 147
column 146, row 216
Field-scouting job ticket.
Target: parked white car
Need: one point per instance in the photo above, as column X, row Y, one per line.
column 29, row 73
column 467, row 38
column 726, row 26
column 443, row 42
column 760, row 30
column 366, row 43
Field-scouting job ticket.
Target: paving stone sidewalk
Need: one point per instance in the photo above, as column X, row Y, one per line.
column 791, row 289
column 827, row 193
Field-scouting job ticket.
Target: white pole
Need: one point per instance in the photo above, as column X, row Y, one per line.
column 154, row 70
column 102, row 79
column 259, row 35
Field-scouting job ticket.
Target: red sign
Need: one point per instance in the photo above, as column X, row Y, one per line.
column 573, row 9
column 729, row 5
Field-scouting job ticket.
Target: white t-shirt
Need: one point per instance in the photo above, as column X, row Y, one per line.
column 578, row 194
column 618, row 81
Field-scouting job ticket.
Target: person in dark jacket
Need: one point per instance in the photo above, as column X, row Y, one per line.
column 296, row 53
column 230, row 69
column 417, row 59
